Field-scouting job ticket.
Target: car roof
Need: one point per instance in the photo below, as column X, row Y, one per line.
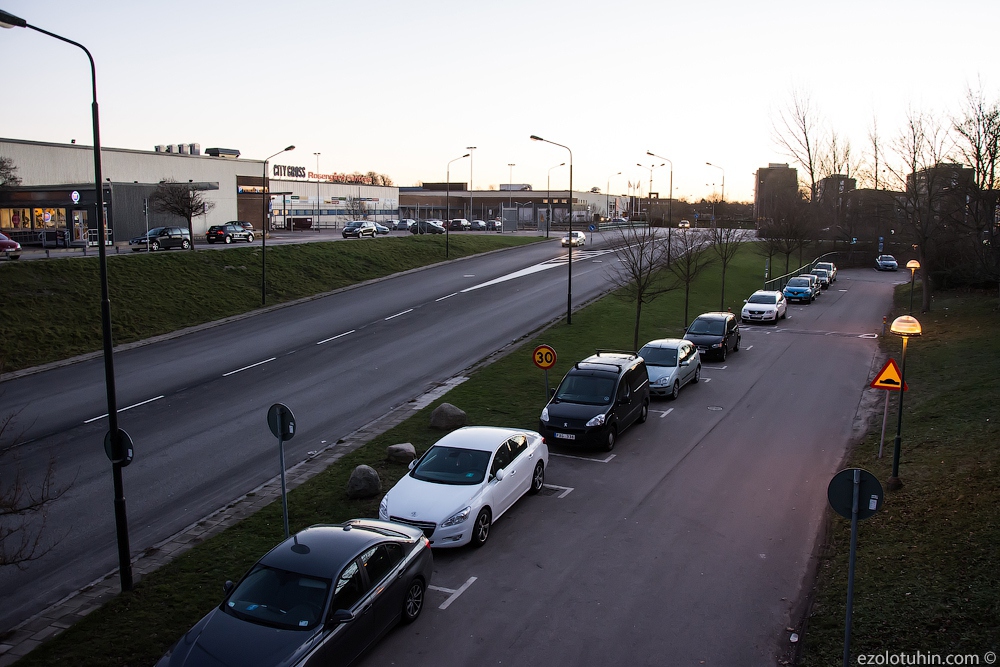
column 666, row 343
column 330, row 547
column 768, row 292
column 719, row 315
column 481, row 438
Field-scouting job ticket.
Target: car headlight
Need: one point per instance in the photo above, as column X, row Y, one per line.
column 545, row 414
column 719, row 344
column 456, row 518
column 383, row 508
column 597, row 421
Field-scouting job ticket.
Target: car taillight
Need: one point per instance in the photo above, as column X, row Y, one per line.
column 427, row 542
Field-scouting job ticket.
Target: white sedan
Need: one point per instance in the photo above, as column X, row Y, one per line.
column 574, row 239
column 465, row 482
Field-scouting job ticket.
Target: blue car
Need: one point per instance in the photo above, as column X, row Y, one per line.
column 886, row 263
column 799, row 288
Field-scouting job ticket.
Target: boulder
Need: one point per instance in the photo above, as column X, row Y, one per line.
column 404, row 452
column 447, row 417
column 364, row 483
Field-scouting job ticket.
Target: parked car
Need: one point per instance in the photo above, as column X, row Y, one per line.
column 814, row 280
column 228, row 233
column 10, row 248
column 404, row 225
column 465, row 482
column 459, row 225
column 831, row 268
column 359, row 228
column 381, row 229
column 574, row 239
column 244, row 224
column 162, row 238
column 799, row 288
column 764, row 306
column 684, row 224
column 320, row 597
column 597, row 400
column 715, row 334
column 428, row 227
column 823, row 276
column 671, row 363
column 479, row 225
column 886, row 263
column 494, row 225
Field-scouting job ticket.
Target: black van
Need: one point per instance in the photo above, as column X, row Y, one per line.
column 598, row 398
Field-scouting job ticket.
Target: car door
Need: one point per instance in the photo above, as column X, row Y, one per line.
column 733, row 333
column 503, row 489
column 625, row 403
column 686, row 362
column 386, row 589
column 349, row 638
column 521, row 464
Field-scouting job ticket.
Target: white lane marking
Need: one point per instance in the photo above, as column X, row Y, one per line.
column 706, row 379
column 715, row 368
column 469, row 275
column 868, row 335
column 566, row 490
column 583, row 458
column 454, row 596
column 748, row 347
column 135, row 405
column 442, row 299
column 551, row 264
column 663, row 413
column 246, row 367
column 408, row 310
column 327, row 340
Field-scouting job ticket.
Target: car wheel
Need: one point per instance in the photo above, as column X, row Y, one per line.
column 185, row 244
column 725, row 350
column 229, row 239
column 612, row 437
column 249, row 238
column 644, row 413
column 675, row 391
column 697, row 374
column 413, row 603
column 736, row 348
column 481, row 529
column 154, row 245
column 537, row 478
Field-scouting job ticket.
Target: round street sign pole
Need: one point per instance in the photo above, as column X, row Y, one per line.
column 545, row 358
column 281, row 421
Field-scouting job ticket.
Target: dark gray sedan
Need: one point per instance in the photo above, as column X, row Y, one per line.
column 322, row 597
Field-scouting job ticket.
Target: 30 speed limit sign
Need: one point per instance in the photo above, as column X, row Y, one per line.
column 544, row 357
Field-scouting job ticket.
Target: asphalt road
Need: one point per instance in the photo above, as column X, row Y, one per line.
column 195, row 405
column 691, row 544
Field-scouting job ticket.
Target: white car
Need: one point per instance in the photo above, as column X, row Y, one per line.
column 574, row 239
column 465, row 482
column 671, row 363
column 684, row 224
column 764, row 306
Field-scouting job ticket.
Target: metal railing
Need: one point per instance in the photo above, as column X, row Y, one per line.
column 778, row 284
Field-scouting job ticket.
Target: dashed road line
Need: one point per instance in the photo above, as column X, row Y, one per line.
column 247, row 367
column 663, row 413
column 134, row 405
column 408, row 310
column 327, row 340
column 448, row 296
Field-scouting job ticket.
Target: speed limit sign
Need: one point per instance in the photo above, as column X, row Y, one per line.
column 544, row 357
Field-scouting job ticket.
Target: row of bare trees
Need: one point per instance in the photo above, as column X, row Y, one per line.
column 938, row 172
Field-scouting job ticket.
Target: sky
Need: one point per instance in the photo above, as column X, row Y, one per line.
column 402, row 87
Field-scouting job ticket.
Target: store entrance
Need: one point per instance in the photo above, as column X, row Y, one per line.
column 79, row 226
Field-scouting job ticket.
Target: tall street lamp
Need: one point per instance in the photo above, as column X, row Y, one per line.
column 471, row 150
column 510, row 184
column 115, row 436
column 317, row 191
column 264, row 198
column 569, row 263
column 607, row 194
column 548, row 196
column 447, row 201
column 907, row 327
column 649, row 195
column 912, row 265
column 670, row 202
column 723, row 182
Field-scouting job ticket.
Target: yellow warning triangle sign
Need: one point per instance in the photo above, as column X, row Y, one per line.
column 889, row 377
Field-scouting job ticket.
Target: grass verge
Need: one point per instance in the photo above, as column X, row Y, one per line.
column 926, row 575
column 52, row 309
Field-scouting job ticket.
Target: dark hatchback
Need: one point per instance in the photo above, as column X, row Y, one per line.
column 715, row 334
column 598, row 398
column 162, row 238
column 228, row 233
column 321, row 597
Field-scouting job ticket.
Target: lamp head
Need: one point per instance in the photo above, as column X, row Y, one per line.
column 536, row 138
column 290, row 148
column 905, row 326
column 650, row 153
column 913, row 265
column 466, row 155
column 11, row 21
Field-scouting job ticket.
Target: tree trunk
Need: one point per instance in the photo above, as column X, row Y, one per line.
column 722, row 303
column 635, row 334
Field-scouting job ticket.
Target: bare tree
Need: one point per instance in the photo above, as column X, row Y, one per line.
column 8, row 173
column 799, row 132
column 690, row 258
column 767, row 246
column 640, row 270
column 788, row 226
column 357, row 208
column 181, row 200
column 725, row 241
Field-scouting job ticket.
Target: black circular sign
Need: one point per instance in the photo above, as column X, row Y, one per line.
column 841, row 493
column 281, row 421
column 119, row 449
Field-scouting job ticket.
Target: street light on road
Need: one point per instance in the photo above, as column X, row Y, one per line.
column 548, row 196
column 116, row 436
column 317, row 191
column 907, row 327
column 447, row 201
column 607, row 194
column 912, row 265
column 723, row 180
column 510, row 184
column 471, row 150
column 670, row 201
column 649, row 195
column 265, row 198
column 569, row 263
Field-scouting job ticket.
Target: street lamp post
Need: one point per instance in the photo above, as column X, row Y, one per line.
column 264, row 198
column 670, row 202
column 447, row 201
column 607, row 194
column 116, row 437
column 317, row 191
column 907, row 327
column 723, row 183
column 510, row 184
column 912, row 265
column 649, row 195
column 471, row 150
column 548, row 196
column 569, row 263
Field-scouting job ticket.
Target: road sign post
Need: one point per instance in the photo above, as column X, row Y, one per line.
column 281, row 421
column 545, row 358
column 889, row 379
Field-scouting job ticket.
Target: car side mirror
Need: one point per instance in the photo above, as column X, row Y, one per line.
column 413, row 464
column 745, row 301
column 686, row 362
column 341, row 616
column 552, row 391
column 499, row 475
column 228, row 586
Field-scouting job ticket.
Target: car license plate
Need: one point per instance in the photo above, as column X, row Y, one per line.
column 565, row 436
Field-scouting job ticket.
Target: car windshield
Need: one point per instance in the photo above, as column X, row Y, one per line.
column 586, row 389
column 452, row 465
column 798, row 282
column 825, row 265
column 155, row 231
column 762, row 298
column 888, row 258
column 279, row 599
column 707, row 327
column 819, row 273
column 659, row 356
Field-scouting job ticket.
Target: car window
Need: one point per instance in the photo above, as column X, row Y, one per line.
column 518, row 445
column 638, row 377
column 798, row 282
column 659, row 356
column 452, row 465
column 379, row 561
column 350, row 587
column 707, row 327
column 732, row 325
column 586, row 389
column 279, row 598
column 501, row 459
column 762, row 298
column 625, row 387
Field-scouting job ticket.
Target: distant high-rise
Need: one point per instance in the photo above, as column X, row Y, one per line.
column 773, row 182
